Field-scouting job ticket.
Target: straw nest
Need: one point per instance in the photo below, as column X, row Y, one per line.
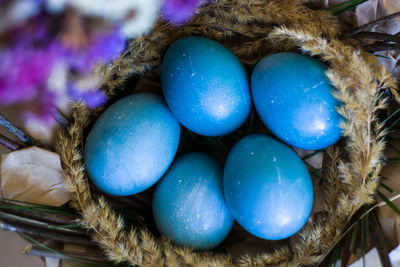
column 251, row 29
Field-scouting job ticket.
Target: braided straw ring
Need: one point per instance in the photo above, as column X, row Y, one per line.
column 251, row 29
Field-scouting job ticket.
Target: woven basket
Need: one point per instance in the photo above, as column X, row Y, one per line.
column 251, row 29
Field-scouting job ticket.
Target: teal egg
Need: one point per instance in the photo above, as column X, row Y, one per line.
column 205, row 86
column 189, row 205
column 293, row 97
column 131, row 145
column 267, row 187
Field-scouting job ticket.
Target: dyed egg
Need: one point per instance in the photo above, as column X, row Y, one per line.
column 131, row 145
column 205, row 86
column 294, row 99
column 267, row 187
column 189, row 205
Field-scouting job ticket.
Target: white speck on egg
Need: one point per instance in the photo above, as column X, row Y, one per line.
column 258, row 222
column 180, row 181
column 274, row 160
column 272, row 101
column 252, row 153
column 192, row 74
column 198, row 215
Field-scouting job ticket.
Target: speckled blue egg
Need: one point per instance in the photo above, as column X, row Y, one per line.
column 131, row 145
column 267, row 187
column 294, row 99
column 205, row 86
column 189, row 205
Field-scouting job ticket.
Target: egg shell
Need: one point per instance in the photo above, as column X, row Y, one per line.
column 205, row 86
column 131, row 145
column 267, row 187
column 293, row 97
column 189, row 205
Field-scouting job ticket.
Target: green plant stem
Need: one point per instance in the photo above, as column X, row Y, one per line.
column 38, row 215
column 22, row 205
column 378, row 239
column 342, row 7
column 313, row 154
column 391, row 115
column 52, row 235
column 389, row 202
column 30, row 222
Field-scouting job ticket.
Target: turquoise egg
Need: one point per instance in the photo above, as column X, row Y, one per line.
column 293, row 97
column 205, row 86
column 131, row 145
column 267, row 187
column 189, row 205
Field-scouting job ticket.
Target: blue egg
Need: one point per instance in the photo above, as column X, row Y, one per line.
column 205, row 86
column 131, row 145
column 189, row 205
column 267, row 187
column 294, row 99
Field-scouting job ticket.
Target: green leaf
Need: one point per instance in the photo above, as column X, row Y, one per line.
column 389, row 202
column 28, row 208
column 393, row 159
column 364, row 236
column 45, row 208
column 383, row 56
column 354, row 237
column 343, row 7
column 391, row 115
column 379, row 97
column 335, row 254
column 313, row 154
column 69, row 226
column 394, row 124
column 390, row 190
column 316, row 172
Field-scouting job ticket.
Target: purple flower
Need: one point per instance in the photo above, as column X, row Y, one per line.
column 180, row 11
column 44, row 109
column 42, row 66
column 103, row 47
column 92, row 98
column 23, row 71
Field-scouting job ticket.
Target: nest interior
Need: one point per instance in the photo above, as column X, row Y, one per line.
column 251, row 29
